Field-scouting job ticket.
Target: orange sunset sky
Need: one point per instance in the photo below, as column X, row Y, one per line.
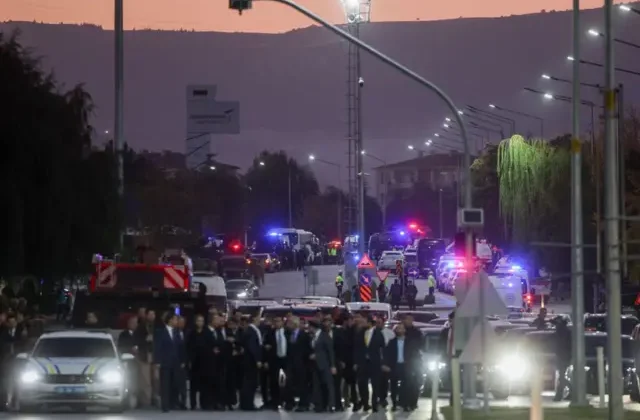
column 213, row 15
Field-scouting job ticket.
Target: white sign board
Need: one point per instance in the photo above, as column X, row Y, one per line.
column 207, row 116
column 471, row 304
column 474, row 351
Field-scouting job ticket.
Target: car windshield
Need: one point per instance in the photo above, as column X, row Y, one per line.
column 375, row 314
column 424, row 317
column 410, row 258
column 84, row 347
column 251, row 310
column 391, row 254
column 237, row 284
column 599, row 323
column 593, row 342
column 303, row 313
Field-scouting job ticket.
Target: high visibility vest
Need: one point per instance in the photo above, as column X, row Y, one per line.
column 339, row 280
column 432, row 281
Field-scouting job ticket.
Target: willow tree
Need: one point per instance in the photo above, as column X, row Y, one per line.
column 533, row 179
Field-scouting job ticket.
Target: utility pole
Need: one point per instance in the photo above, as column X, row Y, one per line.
column 360, row 160
column 612, row 224
column 118, row 134
column 579, row 392
column 290, row 199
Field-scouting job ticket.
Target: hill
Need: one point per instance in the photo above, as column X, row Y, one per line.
column 292, row 86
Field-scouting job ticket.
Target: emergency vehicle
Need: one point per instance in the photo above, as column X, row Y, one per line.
column 118, row 289
column 508, row 271
column 253, row 307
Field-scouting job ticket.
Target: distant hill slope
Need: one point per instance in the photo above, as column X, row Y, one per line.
column 292, row 86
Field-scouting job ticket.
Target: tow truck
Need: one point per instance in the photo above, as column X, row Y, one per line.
column 118, row 289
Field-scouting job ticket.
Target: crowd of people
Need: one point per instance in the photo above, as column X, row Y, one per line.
column 323, row 364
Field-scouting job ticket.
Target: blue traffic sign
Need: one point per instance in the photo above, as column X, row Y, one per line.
column 413, row 272
column 365, row 279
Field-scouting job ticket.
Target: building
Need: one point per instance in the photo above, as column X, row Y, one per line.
column 438, row 171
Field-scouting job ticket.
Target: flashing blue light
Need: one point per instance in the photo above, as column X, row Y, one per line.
column 356, row 257
column 450, row 265
column 273, row 234
column 516, row 267
column 510, row 284
column 402, row 232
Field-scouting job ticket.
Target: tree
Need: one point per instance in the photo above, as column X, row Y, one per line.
column 268, row 183
column 61, row 196
column 423, row 205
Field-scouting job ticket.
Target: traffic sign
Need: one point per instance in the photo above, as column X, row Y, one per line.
column 382, row 275
column 365, row 293
column 213, row 117
column 365, row 262
column 493, row 304
column 413, row 272
column 365, row 279
column 474, row 352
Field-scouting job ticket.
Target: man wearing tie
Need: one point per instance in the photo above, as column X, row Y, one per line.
column 276, row 359
column 324, row 367
column 168, row 357
column 252, row 338
column 368, row 351
column 398, row 370
column 297, row 372
column 219, row 392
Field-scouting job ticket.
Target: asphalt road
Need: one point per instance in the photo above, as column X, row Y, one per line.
column 423, row 412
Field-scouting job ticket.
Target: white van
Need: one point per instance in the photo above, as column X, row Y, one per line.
column 215, row 290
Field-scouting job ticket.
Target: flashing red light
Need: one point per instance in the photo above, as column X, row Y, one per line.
column 528, row 298
column 413, row 226
column 235, row 246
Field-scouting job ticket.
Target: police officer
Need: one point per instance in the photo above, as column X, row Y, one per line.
column 339, row 283
column 431, row 282
column 396, row 294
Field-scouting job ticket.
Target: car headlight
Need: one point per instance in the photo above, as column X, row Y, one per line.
column 242, row 294
column 512, row 367
column 434, row 365
column 110, row 376
column 29, row 377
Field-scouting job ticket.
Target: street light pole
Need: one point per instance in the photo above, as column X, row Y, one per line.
column 468, row 198
column 577, row 265
column 118, row 135
column 612, row 233
column 290, row 197
column 440, row 212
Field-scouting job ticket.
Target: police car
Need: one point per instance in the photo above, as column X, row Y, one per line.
column 71, row 368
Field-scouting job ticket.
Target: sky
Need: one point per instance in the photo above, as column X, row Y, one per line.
column 213, row 15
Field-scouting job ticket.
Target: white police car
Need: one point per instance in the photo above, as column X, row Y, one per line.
column 71, row 368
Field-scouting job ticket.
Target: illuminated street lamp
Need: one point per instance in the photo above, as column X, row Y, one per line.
column 626, row 8
column 546, row 76
column 594, row 64
column 595, row 33
column 261, row 163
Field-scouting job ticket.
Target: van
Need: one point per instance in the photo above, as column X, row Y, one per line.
column 213, row 288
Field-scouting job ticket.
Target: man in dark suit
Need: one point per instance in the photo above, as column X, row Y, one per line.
column 252, row 338
column 341, row 350
column 324, row 366
column 398, row 369
column 350, row 332
column 368, row 348
column 169, row 357
column 297, row 371
column 414, row 341
column 234, row 368
column 218, row 355
column 266, row 329
column 276, row 360
column 199, row 345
